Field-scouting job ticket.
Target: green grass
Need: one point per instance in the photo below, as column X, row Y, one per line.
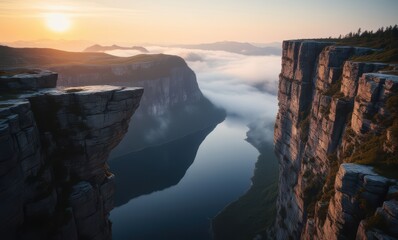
column 370, row 151
column 328, row 191
column 255, row 211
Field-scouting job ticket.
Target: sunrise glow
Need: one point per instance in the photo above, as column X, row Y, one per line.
column 57, row 22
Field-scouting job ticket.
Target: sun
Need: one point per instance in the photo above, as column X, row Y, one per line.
column 57, row 22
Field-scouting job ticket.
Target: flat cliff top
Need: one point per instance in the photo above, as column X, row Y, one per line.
column 10, row 99
column 46, row 58
column 27, row 79
column 90, row 90
column 94, row 89
column 384, row 43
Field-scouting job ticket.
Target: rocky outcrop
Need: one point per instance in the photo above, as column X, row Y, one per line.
column 171, row 107
column 329, row 107
column 22, row 79
column 167, row 81
column 54, row 143
column 358, row 189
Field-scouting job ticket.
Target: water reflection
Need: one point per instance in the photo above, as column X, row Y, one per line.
column 148, row 130
column 155, row 168
column 219, row 174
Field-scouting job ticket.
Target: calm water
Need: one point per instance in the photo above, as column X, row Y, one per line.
column 172, row 191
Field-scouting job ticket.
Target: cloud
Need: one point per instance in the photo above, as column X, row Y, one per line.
column 245, row 86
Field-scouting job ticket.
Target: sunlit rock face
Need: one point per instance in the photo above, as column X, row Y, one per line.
column 54, row 143
column 327, row 104
column 355, row 185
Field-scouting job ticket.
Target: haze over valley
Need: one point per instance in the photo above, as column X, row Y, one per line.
column 210, row 120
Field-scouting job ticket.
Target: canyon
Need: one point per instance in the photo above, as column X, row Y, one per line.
column 336, row 141
column 172, row 96
column 78, row 126
column 55, row 182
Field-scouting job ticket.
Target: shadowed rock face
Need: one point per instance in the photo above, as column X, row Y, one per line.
column 171, row 89
column 326, row 107
column 155, row 168
column 23, row 79
column 54, row 143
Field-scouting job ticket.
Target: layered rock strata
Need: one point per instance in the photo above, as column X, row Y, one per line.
column 54, row 143
column 167, row 81
column 172, row 106
column 327, row 108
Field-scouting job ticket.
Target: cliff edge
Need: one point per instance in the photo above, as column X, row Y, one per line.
column 171, row 107
column 54, row 144
column 336, row 141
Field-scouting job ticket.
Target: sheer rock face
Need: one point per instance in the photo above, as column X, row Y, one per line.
column 33, row 80
column 357, row 188
column 167, row 81
column 295, row 90
column 373, row 90
column 352, row 71
column 54, row 143
column 318, row 89
column 161, row 94
column 85, row 124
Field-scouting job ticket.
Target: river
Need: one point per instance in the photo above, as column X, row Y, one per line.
column 173, row 190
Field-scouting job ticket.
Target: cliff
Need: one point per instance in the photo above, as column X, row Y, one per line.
column 171, row 107
column 54, row 144
column 334, row 115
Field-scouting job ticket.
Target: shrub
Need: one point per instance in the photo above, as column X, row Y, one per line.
column 334, row 88
column 385, row 40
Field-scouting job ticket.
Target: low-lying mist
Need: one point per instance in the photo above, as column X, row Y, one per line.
column 245, row 86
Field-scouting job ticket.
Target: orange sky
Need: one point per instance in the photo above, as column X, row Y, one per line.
column 189, row 21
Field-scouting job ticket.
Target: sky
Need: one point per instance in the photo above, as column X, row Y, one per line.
column 189, row 21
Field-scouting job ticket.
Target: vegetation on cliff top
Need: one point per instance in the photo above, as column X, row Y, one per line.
column 385, row 40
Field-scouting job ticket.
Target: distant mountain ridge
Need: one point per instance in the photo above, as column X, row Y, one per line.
column 170, row 88
column 61, row 44
column 100, row 48
column 235, row 47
